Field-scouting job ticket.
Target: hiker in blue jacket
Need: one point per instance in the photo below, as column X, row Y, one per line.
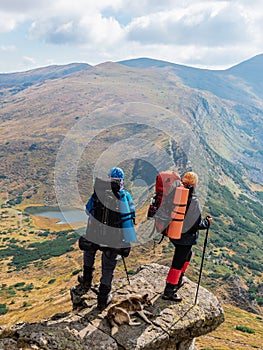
column 183, row 246
column 109, row 255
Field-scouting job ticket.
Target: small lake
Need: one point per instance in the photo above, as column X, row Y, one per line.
column 66, row 216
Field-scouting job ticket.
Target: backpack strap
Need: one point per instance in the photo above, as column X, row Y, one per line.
column 160, row 241
column 191, row 190
column 175, row 184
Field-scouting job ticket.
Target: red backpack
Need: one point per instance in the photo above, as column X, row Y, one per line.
column 168, row 205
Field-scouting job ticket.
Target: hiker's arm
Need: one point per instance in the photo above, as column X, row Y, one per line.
column 131, row 204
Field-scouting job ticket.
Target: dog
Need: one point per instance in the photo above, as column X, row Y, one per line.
column 119, row 313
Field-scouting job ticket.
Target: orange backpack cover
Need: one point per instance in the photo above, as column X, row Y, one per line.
column 169, row 219
column 178, row 212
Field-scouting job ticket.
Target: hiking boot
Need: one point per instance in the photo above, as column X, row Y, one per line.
column 86, row 284
column 104, row 297
column 180, row 282
column 76, row 295
column 170, row 292
column 85, row 279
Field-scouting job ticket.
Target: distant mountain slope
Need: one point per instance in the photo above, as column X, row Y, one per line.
column 237, row 83
column 250, row 71
column 232, row 130
column 40, row 74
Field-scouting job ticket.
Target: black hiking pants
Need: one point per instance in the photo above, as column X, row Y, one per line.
column 109, row 260
column 182, row 254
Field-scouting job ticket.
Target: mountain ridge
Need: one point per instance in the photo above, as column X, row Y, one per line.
column 235, row 82
column 41, row 74
column 204, row 79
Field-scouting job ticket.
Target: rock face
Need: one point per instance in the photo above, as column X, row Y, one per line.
column 234, row 293
column 174, row 325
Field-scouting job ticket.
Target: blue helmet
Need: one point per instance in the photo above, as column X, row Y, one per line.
column 116, row 173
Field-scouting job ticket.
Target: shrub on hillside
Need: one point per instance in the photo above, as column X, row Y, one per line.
column 53, row 280
column 3, row 309
column 245, row 329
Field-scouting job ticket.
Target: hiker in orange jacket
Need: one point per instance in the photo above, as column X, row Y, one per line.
column 183, row 246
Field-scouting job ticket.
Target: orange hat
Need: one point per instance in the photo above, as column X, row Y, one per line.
column 190, row 179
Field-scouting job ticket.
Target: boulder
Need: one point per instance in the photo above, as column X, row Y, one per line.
column 175, row 325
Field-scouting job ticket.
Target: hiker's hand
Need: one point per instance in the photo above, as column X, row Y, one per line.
column 210, row 220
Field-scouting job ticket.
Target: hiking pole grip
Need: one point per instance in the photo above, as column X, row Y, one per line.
column 202, row 262
column 208, row 221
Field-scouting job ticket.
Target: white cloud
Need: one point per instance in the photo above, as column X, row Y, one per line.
column 138, row 8
column 96, row 30
column 7, row 48
column 54, row 31
column 196, row 32
column 101, row 30
column 22, row 6
column 207, row 24
column 56, row 8
column 7, row 23
column 29, row 60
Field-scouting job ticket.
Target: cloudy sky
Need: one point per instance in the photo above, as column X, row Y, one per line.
column 200, row 33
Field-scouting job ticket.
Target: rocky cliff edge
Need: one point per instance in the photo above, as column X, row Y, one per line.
column 174, row 325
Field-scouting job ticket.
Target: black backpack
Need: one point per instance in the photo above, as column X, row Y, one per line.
column 106, row 207
column 104, row 229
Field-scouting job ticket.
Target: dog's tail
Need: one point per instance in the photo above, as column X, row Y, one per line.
column 113, row 324
column 114, row 329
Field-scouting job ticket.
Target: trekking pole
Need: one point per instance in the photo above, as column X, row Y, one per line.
column 125, row 268
column 202, row 262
